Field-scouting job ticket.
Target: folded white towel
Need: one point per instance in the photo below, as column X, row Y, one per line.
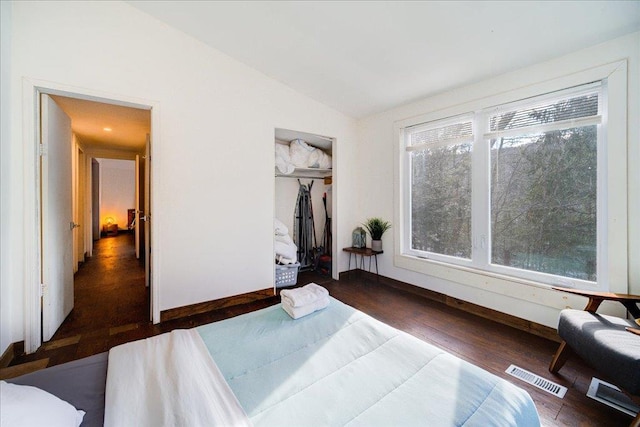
column 307, row 294
column 298, row 312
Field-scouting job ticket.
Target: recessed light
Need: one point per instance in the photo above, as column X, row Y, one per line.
column 107, row 129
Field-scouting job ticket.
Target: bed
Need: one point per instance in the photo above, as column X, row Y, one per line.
column 339, row 366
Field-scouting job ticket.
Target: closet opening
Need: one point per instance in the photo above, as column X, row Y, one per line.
column 304, row 201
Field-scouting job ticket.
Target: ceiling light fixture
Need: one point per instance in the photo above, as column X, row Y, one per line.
column 107, row 129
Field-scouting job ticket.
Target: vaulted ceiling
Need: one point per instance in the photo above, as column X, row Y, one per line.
column 364, row 57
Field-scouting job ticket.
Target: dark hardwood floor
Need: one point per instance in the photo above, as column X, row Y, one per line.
column 111, row 308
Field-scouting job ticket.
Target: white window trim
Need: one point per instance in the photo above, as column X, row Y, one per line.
column 612, row 195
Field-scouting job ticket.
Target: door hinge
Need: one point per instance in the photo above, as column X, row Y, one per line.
column 42, row 289
column 42, row 150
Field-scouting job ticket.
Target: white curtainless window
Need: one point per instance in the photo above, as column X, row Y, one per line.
column 544, row 175
column 511, row 189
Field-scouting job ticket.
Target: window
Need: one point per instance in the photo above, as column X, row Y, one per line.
column 440, row 157
column 511, row 189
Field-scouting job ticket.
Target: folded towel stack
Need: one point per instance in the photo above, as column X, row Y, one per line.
column 305, row 300
column 286, row 252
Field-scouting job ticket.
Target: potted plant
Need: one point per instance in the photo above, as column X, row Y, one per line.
column 376, row 228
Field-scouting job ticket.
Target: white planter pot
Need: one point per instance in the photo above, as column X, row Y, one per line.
column 376, row 245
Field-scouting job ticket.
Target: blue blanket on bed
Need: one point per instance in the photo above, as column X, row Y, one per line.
column 339, row 366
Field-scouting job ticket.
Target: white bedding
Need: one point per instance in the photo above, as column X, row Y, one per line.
column 168, row 380
column 341, row 367
column 334, row 367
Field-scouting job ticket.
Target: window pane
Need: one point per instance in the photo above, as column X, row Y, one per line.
column 543, row 202
column 546, row 112
column 434, row 135
column 441, row 200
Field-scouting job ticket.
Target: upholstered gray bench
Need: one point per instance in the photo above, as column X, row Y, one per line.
column 609, row 344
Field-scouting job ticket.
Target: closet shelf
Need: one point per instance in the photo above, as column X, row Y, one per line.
column 306, row 173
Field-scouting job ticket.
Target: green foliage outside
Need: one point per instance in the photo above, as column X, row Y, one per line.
column 441, row 200
column 543, row 202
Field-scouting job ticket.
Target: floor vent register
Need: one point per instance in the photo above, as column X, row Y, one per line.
column 537, row 380
column 612, row 396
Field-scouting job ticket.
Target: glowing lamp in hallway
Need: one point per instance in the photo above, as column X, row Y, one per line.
column 110, row 228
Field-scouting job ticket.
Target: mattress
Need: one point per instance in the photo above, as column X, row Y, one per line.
column 339, row 366
column 81, row 383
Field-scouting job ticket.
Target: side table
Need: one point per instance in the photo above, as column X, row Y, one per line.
column 363, row 252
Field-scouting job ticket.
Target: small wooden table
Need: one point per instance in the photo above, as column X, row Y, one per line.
column 363, row 252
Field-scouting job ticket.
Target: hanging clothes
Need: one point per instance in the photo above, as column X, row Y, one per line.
column 326, row 234
column 304, row 227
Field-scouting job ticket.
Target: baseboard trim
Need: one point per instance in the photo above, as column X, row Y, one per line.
column 204, row 307
column 488, row 313
column 14, row 349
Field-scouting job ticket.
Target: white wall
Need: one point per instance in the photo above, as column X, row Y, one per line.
column 10, row 327
column 378, row 143
column 117, row 190
column 213, row 185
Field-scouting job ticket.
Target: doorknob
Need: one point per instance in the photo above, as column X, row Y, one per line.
column 73, row 225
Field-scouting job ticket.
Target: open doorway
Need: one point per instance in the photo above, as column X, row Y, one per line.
column 110, row 143
column 110, row 292
column 35, row 151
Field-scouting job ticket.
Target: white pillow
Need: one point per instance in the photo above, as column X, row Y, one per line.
column 22, row 405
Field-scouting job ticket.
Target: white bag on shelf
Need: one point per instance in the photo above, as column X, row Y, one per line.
column 300, row 152
column 283, row 159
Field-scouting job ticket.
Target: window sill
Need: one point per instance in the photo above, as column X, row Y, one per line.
column 507, row 286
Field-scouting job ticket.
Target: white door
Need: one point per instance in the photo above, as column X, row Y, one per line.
column 57, row 222
column 136, row 219
column 147, row 214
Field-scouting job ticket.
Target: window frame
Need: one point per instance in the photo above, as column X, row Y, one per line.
column 611, row 190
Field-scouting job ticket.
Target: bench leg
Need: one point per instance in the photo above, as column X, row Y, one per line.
column 561, row 356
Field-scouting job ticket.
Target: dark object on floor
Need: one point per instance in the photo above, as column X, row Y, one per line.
column 602, row 341
column 324, row 265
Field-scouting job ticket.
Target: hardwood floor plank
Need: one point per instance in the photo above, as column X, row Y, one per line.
column 25, row 368
column 124, row 328
column 62, row 342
